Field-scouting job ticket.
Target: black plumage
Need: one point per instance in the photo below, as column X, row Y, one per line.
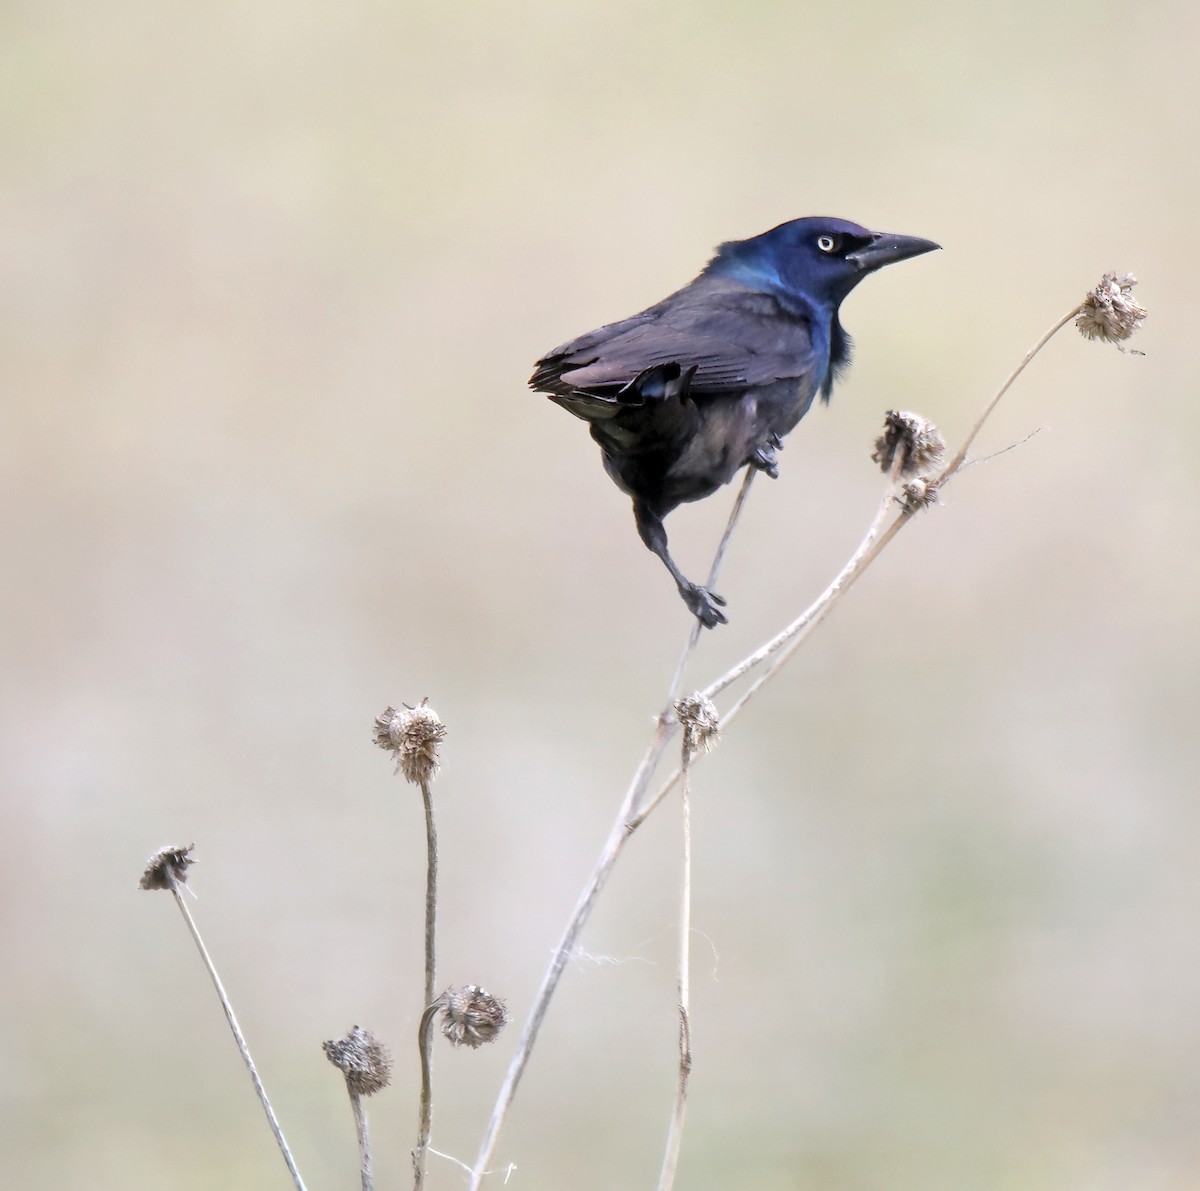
column 683, row 395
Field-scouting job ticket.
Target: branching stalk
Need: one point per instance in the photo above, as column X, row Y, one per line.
column 633, row 813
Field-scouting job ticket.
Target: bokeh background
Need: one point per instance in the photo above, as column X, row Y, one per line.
column 274, row 275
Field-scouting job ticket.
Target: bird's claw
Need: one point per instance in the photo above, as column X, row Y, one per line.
column 766, row 460
column 705, row 605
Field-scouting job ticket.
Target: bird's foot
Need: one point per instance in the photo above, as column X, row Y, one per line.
column 705, row 605
column 766, row 460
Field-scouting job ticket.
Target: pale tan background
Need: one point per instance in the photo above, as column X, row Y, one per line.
column 274, row 274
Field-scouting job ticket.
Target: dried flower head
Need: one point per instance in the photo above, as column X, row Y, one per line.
column 918, row 494
column 701, row 725
column 167, row 866
column 471, row 1016
column 919, row 439
column 1109, row 313
column 362, row 1059
column 412, row 734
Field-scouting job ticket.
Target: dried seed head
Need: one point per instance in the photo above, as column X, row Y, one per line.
column 471, row 1016
column 362, row 1059
column 412, row 735
column 701, row 725
column 167, row 865
column 919, row 439
column 918, row 494
column 1109, row 312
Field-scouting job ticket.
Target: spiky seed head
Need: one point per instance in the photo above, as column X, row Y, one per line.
column 362, row 1059
column 701, row 725
column 920, row 440
column 471, row 1016
column 918, row 494
column 1109, row 312
column 167, row 865
column 412, row 735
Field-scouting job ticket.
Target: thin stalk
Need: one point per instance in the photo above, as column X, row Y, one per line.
column 866, row 552
column 238, row 1036
column 425, row 1034
column 872, row 545
column 632, row 813
column 431, row 877
column 626, row 823
column 713, row 574
column 960, row 458
column 619, row 836
column 876, row 539
column 424, row 1048
column 666, row 1178
column 364, row 1139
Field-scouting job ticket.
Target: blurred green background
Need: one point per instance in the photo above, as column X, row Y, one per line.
column 274, row 276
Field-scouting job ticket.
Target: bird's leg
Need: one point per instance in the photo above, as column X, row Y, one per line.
column 705, row 605
column 765, row 458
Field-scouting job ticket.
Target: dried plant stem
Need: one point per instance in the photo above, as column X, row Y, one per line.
column 625, row 824
column 425, row 1035
column 238, row 1036
column 960, row 458
column 623, row 827
column 431, row 876
column 364, row 1139
column 424, row 1049
column 876, row 539
column 713, row 574
column 632, row 813
column 618, row 837
column 666, row 1178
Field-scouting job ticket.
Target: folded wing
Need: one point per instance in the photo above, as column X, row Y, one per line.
column 720, row 336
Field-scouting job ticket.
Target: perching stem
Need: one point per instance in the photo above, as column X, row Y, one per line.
column 713, row 574
column 632, row 813
column 872, row 545
column 626, row 823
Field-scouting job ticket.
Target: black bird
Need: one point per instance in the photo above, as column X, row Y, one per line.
column 683, row 395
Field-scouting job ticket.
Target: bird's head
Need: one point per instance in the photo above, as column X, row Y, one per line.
column 819, row 258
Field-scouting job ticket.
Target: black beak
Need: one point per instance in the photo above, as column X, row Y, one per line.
column 886, row 248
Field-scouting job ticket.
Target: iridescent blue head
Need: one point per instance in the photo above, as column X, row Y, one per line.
column 818, row 259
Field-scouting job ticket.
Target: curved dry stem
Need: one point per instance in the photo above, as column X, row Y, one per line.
column 632, row 813
column 614, row 845
column 238, row 1036
column 816, row 611
column 424, row 1047
column 960, row 458
column 876, row 539
column 625, row 824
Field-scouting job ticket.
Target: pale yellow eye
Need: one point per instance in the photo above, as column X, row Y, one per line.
column 826, row 243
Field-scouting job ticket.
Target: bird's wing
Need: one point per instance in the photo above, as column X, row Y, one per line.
column 732, row 336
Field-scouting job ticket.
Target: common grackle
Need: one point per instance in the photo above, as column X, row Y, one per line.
column 683, row 395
